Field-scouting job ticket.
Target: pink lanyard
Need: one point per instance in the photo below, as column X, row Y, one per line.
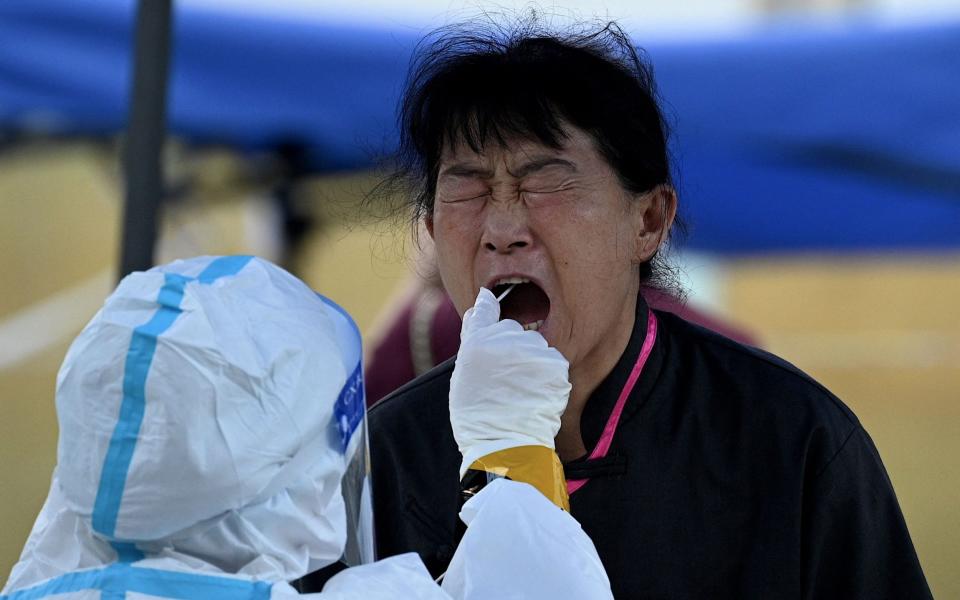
column 603, row 445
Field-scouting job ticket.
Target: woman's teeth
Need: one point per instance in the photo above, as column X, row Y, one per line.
column 535, row 326
column 507, row 280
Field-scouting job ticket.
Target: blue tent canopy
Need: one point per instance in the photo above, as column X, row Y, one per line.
column 785, row 140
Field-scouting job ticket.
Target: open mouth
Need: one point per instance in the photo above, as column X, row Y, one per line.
column 526, row 303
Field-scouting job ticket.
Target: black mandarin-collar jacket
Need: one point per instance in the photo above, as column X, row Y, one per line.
column 732, row 475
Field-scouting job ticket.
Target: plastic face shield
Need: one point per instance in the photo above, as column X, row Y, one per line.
column 357, row 498
column 350, row 415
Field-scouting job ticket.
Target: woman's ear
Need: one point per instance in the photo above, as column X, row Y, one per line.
column 657, row 209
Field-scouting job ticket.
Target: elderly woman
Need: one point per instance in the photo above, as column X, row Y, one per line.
column 701, row 468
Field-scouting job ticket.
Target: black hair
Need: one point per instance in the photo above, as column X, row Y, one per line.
column 478, row 84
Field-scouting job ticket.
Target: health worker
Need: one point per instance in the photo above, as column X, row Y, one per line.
column 212, row 445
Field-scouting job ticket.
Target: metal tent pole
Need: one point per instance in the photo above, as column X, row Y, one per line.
column 146, row 124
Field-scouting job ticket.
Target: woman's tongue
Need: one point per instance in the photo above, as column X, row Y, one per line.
column 526, row 304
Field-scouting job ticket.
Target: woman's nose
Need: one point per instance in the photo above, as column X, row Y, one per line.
column 506, row 229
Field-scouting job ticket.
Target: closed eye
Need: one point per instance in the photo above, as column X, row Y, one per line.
column 544, row 192
column 545, row 184
column 459, row 200
column 547, row 190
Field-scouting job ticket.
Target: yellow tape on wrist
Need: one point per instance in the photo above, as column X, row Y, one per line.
column 537, row 465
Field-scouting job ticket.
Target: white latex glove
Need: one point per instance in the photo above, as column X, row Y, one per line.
column 519, row 545
column 508, row 387
column 402, row 576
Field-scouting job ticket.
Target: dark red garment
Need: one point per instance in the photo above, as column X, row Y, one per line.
column 429, row 318
column 426, row 332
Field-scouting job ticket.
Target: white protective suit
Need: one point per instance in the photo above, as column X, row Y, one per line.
column 206, row 415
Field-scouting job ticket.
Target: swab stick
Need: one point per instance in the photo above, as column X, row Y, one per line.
column 505, row 292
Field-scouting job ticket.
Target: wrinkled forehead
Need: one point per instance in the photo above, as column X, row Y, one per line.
column 514, row 151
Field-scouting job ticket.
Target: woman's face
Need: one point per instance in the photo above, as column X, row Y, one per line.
column 558, row 219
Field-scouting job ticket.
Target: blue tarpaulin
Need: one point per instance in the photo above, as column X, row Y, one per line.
column 797, row 139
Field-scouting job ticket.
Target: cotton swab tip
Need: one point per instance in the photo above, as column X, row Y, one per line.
column 505, row 292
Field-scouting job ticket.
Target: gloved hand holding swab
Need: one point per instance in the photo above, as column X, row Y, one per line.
column 508, row 387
